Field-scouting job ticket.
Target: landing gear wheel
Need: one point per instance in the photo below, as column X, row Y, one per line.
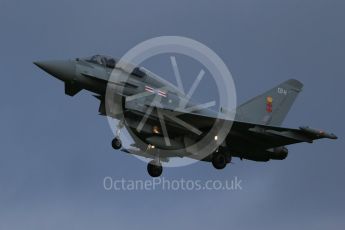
column 219, row 160
column 154, row 169
column 116, row 143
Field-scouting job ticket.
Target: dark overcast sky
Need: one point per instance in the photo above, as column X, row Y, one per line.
column 55, row 150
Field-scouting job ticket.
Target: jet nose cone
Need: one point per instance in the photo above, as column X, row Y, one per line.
column 63, row 70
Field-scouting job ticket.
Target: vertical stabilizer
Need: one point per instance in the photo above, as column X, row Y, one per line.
column 271, row 107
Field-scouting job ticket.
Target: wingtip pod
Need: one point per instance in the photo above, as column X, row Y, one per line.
column 319, row 133
column 332, row 136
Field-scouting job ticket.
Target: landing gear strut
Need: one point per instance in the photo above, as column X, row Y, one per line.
column 154, row 168
column 220, row 160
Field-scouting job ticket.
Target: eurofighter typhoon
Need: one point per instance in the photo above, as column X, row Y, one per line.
column 149, row 107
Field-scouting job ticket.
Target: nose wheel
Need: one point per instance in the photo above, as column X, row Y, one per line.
column 154, row 168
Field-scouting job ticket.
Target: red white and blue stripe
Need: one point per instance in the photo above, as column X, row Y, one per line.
column 155, row 91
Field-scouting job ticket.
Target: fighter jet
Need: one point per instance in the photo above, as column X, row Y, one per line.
column 149, row 107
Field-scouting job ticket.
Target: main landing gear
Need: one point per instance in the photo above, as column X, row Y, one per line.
column 220, row 160
column 116, row 143
column 155, row 168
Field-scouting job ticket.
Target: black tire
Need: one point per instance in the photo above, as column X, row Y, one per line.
column 116, row 143
column 154, row 169
column 219, row 160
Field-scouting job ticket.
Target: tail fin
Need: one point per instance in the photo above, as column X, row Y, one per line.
column 271, row 107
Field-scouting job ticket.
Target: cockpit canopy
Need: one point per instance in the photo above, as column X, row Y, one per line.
column 102, row 60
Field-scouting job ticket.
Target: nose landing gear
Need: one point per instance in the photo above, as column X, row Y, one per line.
column 116, row 142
